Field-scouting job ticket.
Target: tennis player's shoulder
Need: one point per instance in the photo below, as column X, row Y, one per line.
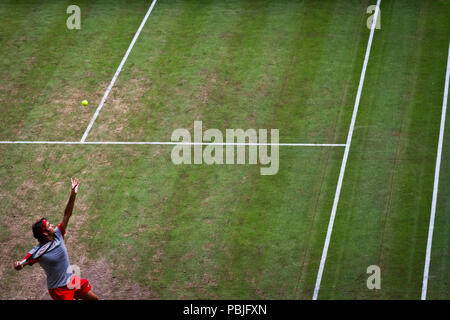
column 59, row 233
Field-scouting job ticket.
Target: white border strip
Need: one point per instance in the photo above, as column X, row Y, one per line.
column 346, row 152
column 175, row 143
column 105, row 96
column 436, row 182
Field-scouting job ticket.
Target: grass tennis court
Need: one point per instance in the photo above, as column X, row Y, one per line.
column 145, row 228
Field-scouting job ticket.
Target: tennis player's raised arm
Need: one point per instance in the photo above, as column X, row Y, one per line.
column 69, row 208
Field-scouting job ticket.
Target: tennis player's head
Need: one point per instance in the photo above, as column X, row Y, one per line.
column 43, row 230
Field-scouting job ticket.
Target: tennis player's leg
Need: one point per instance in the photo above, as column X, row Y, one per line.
column 85, row 292
column 90, row 295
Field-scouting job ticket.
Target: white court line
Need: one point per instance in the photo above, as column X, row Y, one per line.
column 175, row 143
column 346, row 152
column 105, row 96
column 436, row 182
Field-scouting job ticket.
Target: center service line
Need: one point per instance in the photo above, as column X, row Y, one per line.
column 436, row 182
column 344, row 160
column 105, row 96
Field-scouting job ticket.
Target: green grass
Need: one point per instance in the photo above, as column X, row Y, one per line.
column 385, row 203
column 225, row 231
column 46, row 70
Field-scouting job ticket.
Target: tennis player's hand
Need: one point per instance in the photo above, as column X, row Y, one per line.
column 18, row 266
column 75, row 185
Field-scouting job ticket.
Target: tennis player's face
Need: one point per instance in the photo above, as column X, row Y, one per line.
column 50, row 229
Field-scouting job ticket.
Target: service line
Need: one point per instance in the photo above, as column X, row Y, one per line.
column 175, row 143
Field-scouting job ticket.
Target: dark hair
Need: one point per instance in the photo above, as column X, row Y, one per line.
column 37, row 230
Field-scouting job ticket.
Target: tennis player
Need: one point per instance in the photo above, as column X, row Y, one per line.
column 52, row 256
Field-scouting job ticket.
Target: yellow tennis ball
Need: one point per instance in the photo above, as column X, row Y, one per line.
column 84, row 103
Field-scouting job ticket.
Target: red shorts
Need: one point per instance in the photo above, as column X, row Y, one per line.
column 64, row 293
